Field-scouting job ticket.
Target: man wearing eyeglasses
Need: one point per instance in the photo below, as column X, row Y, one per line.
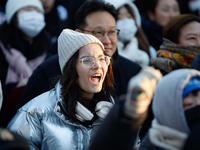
column 97, row 18
column 106, row 37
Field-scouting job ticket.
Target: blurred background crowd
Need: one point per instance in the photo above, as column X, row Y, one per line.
column 161, row 34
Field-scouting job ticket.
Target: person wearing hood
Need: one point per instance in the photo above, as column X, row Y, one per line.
column 24, row 45
column 181, row 44
column 132, row 42
column 66, row 117
column 179, row 49
column 158, row 14
column 177, row 113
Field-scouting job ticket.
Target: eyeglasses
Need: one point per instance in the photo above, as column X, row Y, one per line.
column 112, row 34
column 88, row 62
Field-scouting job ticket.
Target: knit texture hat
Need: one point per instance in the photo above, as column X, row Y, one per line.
column 69, row 42
column 192, row 85
column 12, row 6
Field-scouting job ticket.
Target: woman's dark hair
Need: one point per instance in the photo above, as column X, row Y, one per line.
column 71, row 90
column 91, row 7
column 172, row 29
column 142, row 39
column 12, row 37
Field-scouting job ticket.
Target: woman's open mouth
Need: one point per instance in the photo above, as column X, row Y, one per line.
column 95, row 78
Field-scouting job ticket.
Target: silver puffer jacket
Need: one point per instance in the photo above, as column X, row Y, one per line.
column 43, row 122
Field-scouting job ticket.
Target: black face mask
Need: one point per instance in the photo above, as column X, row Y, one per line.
column 193, row 116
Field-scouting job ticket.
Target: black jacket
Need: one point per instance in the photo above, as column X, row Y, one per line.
column 153, row 31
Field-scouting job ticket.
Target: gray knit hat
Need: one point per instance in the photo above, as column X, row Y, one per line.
column 69, row 42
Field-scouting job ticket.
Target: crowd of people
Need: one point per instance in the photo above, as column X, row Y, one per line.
column 100, row 74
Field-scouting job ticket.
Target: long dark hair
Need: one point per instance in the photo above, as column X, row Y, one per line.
column 70, row 88
column 12, row 37
column 172, row 29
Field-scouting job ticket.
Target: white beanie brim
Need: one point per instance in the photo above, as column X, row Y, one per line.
column 12, row 6
column 69, row 42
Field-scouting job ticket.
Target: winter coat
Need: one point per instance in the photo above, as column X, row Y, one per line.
column 45, row 124
column 123, row 70
column 30, row 51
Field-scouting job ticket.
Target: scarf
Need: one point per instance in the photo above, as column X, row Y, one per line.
column 18, row 66
column 166, row 137
column 172, row 56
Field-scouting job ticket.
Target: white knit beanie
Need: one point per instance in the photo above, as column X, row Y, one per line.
column 69, row 42
column 12, row 6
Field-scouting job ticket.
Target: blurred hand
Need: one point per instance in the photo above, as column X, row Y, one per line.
column 140, row 91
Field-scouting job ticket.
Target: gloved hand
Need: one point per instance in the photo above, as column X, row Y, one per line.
column 140, row 91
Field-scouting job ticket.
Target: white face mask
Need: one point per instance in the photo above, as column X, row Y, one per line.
column 127, row 28
column 194, row 5
column 31, row 23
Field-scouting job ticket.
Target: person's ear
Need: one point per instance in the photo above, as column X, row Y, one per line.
column 78, row 30
column 151, row 15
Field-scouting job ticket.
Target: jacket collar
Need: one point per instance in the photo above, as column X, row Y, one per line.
column 115, row 55
column 60, row 108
